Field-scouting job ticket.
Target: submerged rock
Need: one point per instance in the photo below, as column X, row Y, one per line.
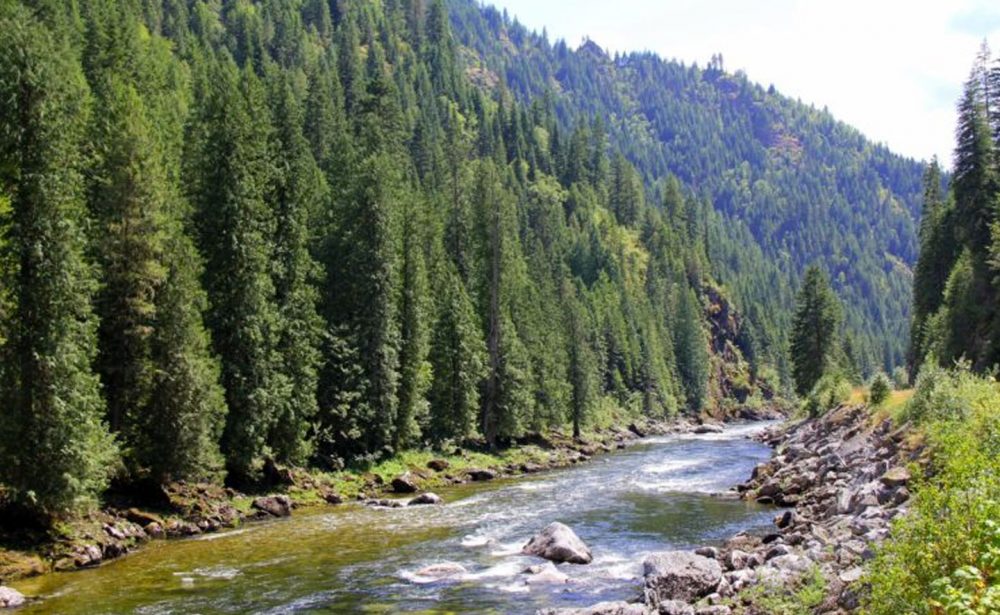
column 426, row 498
column 559, row 544
column 10, row 598
column 442, row 570
column 545, row 574
column 679, row 575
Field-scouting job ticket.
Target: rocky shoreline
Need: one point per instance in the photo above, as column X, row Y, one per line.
column 184, row 510
column 840, row 480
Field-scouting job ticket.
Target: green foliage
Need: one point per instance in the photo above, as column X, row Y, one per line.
column 814, row 331
column 879, row 389
column 831, row 390
column 803, row 599
column 55, row 448
column 941, row 557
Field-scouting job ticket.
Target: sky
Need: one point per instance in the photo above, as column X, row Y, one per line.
column 892, row 68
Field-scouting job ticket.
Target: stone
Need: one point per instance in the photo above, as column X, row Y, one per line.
column 785, row 519
column 545, row 574
column 154, row 530
column 274, row 505
column 776, row 551
column 558, row 543
column 405, row 483
column 385, row 503
column 675, row 607
column 709, row 552
column 426, row 498
column 481, row 475
column 442, row 570
column 679, row 575
column 438, row 465
column 601, row 608
column 333, row 498
column 707, row 428
column 851, row 575
column 142, row 517
column 10, row 598
column 896, row 477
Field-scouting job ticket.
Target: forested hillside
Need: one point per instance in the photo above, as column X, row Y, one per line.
column 788, row 185
column 296, row 230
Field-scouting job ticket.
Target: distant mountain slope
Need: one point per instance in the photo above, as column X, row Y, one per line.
column 790, row 184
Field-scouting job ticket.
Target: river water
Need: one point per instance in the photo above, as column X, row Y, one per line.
column 662, row 493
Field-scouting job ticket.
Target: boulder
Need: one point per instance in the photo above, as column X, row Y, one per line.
column 426, row 498
column 332, row 497
column 675, row 607
column 142, row 517
column 896, row 477
column 438, row 465
column 481, row 475
column 385, row 503
column 274, row 505
column 558, row 543
column 601, row 608
column 404, row 483
column 679, row 575
column 10, row 598
column 707, row 428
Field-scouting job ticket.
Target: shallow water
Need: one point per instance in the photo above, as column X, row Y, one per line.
column 659, row 494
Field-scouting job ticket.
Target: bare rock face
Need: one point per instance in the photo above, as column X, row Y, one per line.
column 10, row 598
column 559, row 544
column 679, row 575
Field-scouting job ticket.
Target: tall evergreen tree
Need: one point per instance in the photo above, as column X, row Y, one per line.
column 230, row 183
column 814, row 330
column 55, row 449
column 691, row 349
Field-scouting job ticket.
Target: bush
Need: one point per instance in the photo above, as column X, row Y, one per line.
column 829, row 392
column 944, row 553
column 879, row 389
column 900, row 378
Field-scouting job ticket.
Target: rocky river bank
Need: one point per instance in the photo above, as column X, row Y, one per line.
column 840, row 480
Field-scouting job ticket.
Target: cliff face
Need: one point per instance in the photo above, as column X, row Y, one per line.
column 735, row 390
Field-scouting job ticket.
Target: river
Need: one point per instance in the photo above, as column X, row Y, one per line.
column 661, row 493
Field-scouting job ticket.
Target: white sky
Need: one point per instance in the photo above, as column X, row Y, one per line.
column 892, row 68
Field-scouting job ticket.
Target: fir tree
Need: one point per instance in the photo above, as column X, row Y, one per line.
column 814, row 330
column 55, row 448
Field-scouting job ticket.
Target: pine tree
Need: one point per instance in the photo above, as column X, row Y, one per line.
column 300, row 192
column 814, row 330
column 691, row 349
column 582, row 361
column 230, row 183
column 457, row 358
column 56, row 451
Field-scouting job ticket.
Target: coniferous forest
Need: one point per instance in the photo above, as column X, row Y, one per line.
column 325, row 232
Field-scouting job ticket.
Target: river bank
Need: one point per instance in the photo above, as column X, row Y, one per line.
column 841, row 479
column 181, row 510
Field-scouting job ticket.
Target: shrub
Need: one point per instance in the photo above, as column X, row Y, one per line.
column 900, row 378
column 943, row 554
column 879, row 389
column 829, row 392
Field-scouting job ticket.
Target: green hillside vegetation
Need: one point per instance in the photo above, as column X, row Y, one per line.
column 775, row 185
column 297, row 231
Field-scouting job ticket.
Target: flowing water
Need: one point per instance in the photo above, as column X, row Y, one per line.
column 662, row 493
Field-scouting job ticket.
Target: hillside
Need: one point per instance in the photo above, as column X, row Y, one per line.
column 789, row 185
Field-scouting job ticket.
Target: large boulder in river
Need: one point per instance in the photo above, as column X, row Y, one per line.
column 559, row 544
column 679, row 575
column 10, row 598
column 274, row 505
column 404, row 483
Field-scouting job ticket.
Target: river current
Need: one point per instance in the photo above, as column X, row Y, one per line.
column 662, row 493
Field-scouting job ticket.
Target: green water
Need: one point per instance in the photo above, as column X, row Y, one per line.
column 352, row 559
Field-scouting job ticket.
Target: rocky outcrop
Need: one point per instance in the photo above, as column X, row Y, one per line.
column 679, row 575
column 559, row 544
column 10, row 598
